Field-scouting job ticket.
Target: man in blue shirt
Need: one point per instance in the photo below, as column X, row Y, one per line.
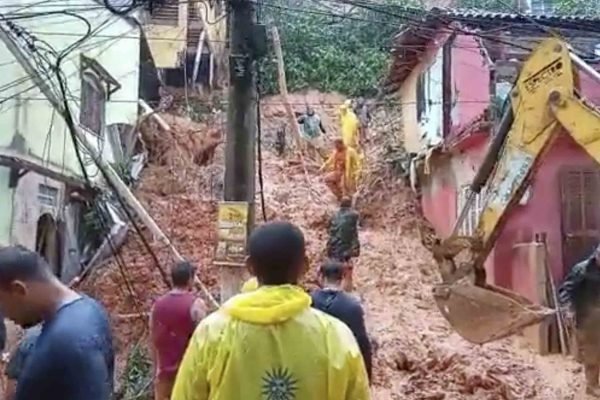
column 18, row 358
column 73, row 357
column 332, row 300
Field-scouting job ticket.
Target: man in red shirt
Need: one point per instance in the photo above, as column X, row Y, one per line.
column 173, row 319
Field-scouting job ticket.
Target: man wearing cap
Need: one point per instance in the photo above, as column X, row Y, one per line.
column 579, row 295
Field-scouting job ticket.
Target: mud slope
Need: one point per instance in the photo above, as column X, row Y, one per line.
column 419, row 358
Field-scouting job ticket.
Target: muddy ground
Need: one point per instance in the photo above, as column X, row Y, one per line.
column 419, row 357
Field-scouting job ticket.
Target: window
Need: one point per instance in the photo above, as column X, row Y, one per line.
column 421, row 96
column 469, row 225
column 47, row 195
column 93, row 102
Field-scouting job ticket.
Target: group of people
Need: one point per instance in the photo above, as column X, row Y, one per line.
column 275, row 341
column 344, row 164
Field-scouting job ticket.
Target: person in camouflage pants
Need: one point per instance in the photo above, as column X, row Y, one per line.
column 579, row 295
column 343, row 243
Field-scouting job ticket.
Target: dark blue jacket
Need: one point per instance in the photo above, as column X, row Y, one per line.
column 347, row 309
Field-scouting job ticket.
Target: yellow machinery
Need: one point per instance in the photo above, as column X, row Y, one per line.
column 544, row 101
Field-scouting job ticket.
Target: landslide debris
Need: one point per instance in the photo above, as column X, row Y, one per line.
column 418, row 356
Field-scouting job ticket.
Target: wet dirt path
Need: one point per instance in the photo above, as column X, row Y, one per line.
column 419, row 356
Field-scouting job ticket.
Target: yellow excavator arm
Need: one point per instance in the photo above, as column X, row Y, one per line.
column 544, row 101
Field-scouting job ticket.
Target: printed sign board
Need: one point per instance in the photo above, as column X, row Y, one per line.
column 232, row 233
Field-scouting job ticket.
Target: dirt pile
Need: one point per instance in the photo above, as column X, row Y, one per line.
column 178, row 194
column 418, row 357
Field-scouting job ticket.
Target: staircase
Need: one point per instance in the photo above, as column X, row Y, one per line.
column 166, row 14
column 194, row 26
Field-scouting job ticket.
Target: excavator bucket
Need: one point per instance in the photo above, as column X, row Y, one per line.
column 484, row 314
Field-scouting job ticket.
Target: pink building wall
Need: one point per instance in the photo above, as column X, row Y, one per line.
column 507, row 263
column 471, row 83
column 541, row 214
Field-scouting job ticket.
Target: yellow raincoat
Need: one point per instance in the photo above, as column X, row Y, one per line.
column 352, row 167
column 270, row 344
column 250, row 285
column 350, row 127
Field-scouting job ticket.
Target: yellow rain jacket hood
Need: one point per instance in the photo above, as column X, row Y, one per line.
column 250, row 285
column 269, row 344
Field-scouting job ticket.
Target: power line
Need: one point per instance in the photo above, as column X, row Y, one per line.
column 266, row 103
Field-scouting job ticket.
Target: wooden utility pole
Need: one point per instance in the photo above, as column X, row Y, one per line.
column 241, row 128
column 283, row 88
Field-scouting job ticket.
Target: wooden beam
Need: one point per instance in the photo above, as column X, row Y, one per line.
column 198, row 58
column 149, row 111
column 11, row 159
column 283, row 88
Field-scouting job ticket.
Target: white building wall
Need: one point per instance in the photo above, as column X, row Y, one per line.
column 31, row 126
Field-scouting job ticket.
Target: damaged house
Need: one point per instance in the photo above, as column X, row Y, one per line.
column 451, row 75
column 42, row 187
column 187, row 42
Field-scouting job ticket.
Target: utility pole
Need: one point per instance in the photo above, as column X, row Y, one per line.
column 240, row 148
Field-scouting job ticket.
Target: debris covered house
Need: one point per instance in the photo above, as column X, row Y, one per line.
column 187, row 37
column 451, row 74
column 41, row 182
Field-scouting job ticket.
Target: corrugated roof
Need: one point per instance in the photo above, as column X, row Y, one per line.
column 412, row 40
column 512, row 17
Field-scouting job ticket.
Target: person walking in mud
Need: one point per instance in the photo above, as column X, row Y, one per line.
column 333, row 300
column 173, row 318
column 312, row 130
column 361, row 109
column 579, row 295
column 342, row 170
column 343, row 243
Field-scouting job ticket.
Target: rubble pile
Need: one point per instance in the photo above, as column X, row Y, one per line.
column 172, row 197
column 418, row 356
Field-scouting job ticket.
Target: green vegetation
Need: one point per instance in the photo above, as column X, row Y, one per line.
column 137, row 377
column 348, row 55
column 561, row 7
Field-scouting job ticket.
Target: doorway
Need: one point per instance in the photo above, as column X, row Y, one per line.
column 580, row 213
column 47, row 242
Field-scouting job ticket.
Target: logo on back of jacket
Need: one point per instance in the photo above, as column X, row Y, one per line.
column 279, row 384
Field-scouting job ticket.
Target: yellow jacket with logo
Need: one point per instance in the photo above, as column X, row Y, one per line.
column 269, row 344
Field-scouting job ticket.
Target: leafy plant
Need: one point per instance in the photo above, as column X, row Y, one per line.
column 348, row 55
column 561, row 7
column 137, row 377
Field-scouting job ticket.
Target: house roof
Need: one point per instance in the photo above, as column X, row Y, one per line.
column 412, row 41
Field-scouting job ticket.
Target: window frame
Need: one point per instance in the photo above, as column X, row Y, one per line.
column 95, row 81
column 469, row 225
column 47, row 195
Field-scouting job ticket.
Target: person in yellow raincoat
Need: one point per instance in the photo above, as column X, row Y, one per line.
column 343, row 167
column 350, row 125
column 250, row 285
column 269, row 344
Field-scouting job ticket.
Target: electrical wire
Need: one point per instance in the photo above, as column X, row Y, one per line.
column 67, row 115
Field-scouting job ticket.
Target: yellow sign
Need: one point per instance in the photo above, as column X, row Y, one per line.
column 233, row 233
